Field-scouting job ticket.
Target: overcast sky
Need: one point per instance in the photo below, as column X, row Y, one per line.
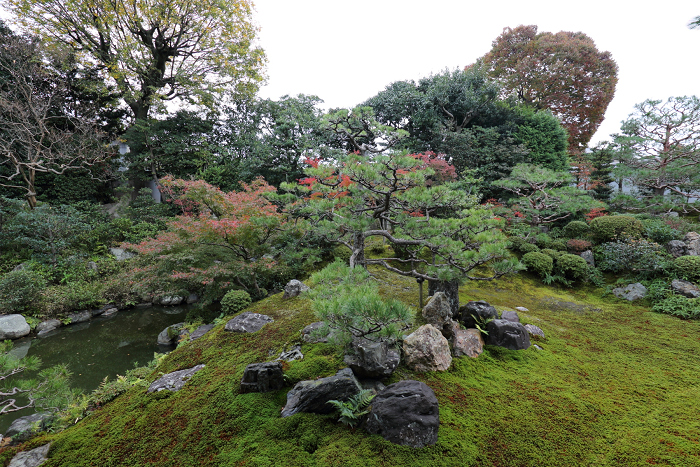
column 346, row 52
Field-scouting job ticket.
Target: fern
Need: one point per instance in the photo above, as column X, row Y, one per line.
column 352, row 410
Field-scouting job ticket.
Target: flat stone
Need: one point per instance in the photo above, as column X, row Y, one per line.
column 47, row 326
column 632, row 292
column 685, row 288
column 174, row 381
column 262, row 377
column 247, row 322
column 313, row 396
column 33, row 458
column 80, row 317
column 522, row 308
column 534, row 330
column 24, row 428
column 13, row 327
column 292, row 354
column 201, row 330
column 121, row 254
column 467, row 342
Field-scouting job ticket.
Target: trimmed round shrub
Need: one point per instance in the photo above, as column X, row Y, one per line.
column 688, row 267
column 342, row 252
column 572, row 266
column 609, row 228
column 21, row 291
column 554, row 254
column 558, row 245
column 528, row 247
column 576, row 229
column 538, row 262
column 235, row 301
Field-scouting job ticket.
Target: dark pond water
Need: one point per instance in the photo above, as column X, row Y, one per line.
column 102, row 347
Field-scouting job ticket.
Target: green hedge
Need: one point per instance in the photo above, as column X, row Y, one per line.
column 609, row 228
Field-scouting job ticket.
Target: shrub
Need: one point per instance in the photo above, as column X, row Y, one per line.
column 576, row 229
column 578, row 246
column 538, row 262
column 572, row 266
column 21, row 291
column 609, row 228
column 658, row 231
column 77, row 295
column 637, row 256
column 235, row 301
column 677, row 305
column 342, row 253
column 688, row 267
column 528, row 248
column 554, row 254
column 558, row 245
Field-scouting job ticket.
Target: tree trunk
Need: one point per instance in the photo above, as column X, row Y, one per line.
column 450, row 288
column 357, row 258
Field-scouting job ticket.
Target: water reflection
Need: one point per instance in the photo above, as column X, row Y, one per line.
column 105, row 346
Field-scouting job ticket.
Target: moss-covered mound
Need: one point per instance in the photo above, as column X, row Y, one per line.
column 612, row 387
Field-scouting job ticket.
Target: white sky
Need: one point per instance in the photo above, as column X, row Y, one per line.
column 347, row 51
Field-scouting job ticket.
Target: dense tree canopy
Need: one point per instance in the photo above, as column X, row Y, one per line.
column 155, row 51
column 562, row 72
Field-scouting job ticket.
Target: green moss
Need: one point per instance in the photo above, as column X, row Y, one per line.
column 615, row 384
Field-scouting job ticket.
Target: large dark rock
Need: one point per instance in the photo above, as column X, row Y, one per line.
column 685, row 288
column 33, row 458
column 294, row 288
column 174, row 381
column 476, row 310
column 372, row 359
column 426, row 349
column 13, row 327
column 313, row 396
column 262, row 377
column 405, row 413
column 247, row 322
column 25, row 427
column 450, row 289
column 170, row 335
column 507, row 334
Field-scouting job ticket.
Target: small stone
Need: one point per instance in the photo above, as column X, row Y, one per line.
column 632, row 292
column 192, row 298
column 174, row 381
column 308, row 333
column 170, row 335
column 522, row 309
column 294, row 288
column 292, row 354
column 438, row 311
column 685, row 288
column 467, row 342
column 534, row 330
column 426, row 349
column 262, row 377
column 201, row 330
column 247, row 322
column 80, row 317
column 47, row 326
column 537, row 347
column 121, row 254
column 588, row 256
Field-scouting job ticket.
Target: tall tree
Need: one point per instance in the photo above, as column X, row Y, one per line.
column 562, row 72
column 155, row 51
column 660, row 146
column 42, row 129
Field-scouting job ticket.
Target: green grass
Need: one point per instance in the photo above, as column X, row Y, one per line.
column 615, row 385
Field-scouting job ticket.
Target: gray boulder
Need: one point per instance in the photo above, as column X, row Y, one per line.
column 47, row 326
column 200, row 331
column 677, row 248
column 427, row 350
column 13, row 327
column 480, row 310
column 32, row 458
column 507, row 334
column 174, row 381
column 80, row 317
column 313, row 396
column 510, row 315
column 309, row 333
column 294, row 288
column 262, row 377
column 171, row 300
column 685, row 288
column 170, row 335
column 692, row 242
column 24, row 428
column 467, row 342
column 192, row 298
column 372, row 359
column 247, row 322
column 632, row 292
column 588, row 256
column 121, row 254
column 438, row 312
column 405, row 413
column 534, row 330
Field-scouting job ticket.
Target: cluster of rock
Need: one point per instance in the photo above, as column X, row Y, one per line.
column 689, row 246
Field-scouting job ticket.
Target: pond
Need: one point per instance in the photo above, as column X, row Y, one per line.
column 105, row 346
